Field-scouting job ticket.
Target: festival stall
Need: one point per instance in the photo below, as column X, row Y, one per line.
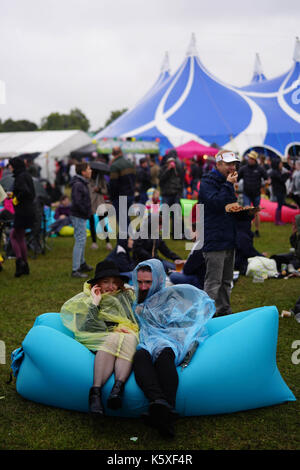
column 192, row 149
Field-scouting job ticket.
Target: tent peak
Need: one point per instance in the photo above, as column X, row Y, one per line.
column 192, row 49
column 258, row 74
column 257, row 65
column 297, row 50
column 165, row 66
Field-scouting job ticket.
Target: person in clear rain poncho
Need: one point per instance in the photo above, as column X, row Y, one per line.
column 172, row 324
column 102, row 319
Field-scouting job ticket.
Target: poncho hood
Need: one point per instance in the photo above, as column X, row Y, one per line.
column 158, row 276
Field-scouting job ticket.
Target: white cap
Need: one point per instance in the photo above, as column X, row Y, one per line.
column 227, row 157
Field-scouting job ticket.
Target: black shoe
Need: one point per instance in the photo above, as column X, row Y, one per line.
column 19, row 267
column 85, row 268
column 114, row 400
column 26, row 268
column 161, row 416
column 148, row 419
column 95, row 402
column 256, row 233
column 78, row 274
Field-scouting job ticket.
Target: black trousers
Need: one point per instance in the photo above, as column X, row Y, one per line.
column 158, row 380
column 93, row 228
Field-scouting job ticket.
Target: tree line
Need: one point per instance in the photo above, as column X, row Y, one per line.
column 76, row 119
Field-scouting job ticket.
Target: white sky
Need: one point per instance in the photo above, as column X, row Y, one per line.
column 103, row 55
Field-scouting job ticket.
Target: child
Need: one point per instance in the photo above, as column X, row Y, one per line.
column 153, row 202
column 62, row 215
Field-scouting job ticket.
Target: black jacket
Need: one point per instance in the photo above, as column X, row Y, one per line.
column 278, row 180
column 245, row 248
column 171, row 181
column 252, row 176
column 121, row 257
column 80, row 195
column 149, row 248
column 143, row 179
column 23, row 190
column 121, row 178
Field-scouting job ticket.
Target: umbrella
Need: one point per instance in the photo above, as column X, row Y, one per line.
column 7, row 182
column 84, row 151
column 99, row 166
column 28, row 156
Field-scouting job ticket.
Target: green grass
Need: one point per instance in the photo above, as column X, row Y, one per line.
column 28, row 425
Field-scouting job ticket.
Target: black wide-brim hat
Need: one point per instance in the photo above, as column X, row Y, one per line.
column 107, row 269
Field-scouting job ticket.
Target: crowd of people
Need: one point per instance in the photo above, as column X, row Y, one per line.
column 126, row 315
column 151, row 182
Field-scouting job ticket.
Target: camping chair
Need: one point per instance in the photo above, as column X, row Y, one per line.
column 37, row 238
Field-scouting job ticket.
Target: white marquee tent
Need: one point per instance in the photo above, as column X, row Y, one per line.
column 50, row 145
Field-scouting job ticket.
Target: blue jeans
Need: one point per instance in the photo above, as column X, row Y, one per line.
column 168, row 265
column 80, row 240
column 247, row 200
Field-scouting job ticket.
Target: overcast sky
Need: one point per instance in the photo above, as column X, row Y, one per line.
column 102, row 55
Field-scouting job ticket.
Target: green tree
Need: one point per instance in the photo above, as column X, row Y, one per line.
column 17, row 126
column 78, row 119
column 74, row 120
column 54, row 121
column 114, row 115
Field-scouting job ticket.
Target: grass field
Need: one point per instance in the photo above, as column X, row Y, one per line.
column 31, row 426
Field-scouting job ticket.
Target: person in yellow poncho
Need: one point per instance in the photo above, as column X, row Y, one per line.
column 102, row 319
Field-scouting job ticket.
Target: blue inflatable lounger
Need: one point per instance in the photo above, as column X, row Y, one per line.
column 233, row 370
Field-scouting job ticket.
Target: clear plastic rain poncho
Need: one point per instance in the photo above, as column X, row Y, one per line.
column 100, row 328
column 173, row 317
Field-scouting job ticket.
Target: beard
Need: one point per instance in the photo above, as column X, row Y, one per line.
column 142, row 296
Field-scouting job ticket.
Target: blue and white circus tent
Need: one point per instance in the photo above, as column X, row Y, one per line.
column 193, row 104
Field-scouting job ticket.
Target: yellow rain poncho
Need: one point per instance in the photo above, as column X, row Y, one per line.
column 110, row 327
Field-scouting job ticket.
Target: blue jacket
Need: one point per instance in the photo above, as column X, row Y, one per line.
column 219, row 226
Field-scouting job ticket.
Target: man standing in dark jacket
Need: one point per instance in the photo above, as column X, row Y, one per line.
column 121, row 183
column 143, row 180
column 216, row 191
column 80, row 212
column 171, row 181
column 252, row 175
